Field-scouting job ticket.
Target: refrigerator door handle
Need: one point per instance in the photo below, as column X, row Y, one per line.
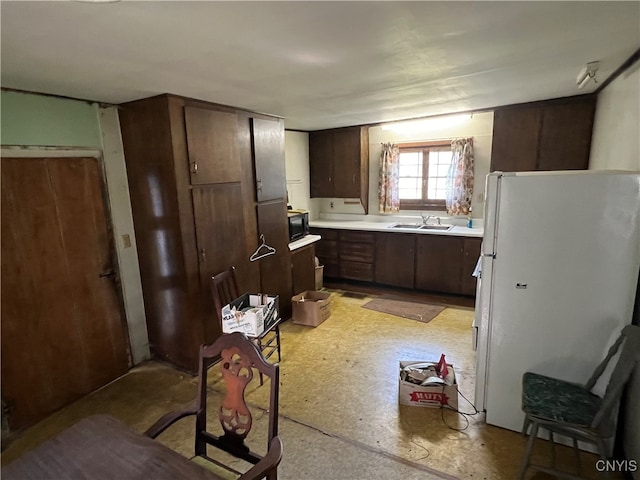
column 492, row 255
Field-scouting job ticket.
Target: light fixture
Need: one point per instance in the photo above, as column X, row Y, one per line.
column 587, row 73
column 432, row 123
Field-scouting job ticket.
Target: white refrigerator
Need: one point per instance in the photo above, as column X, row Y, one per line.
column 559, row 267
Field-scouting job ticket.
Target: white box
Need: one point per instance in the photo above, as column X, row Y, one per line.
column 435, row 396
column 248, row 315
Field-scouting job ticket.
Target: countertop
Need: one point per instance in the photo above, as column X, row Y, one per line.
column 456, row 231
column 303, row 242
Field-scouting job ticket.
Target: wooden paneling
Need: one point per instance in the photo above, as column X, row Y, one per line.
column 395, row 259
column 303, row 269
column 267, row 139
column 275, row 270
column 211, row 140
column 439, row 263
column 63, row 331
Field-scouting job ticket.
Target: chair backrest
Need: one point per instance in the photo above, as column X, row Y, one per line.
column 627, row 362
column 238, row 357
column 224, row 287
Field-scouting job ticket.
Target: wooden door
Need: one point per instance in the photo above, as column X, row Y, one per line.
column 63, row 331
column 395, row 259
column 439, row 263
column 275, row 270
column 346, row 163
column 303, row 269
column 267, row 139
column 321, row 164
column 515, row 139
column 220, row 241
column 212, row 137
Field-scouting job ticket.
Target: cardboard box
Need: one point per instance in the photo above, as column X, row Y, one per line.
column 248, row 315
column 311, row 308
column 435, row 396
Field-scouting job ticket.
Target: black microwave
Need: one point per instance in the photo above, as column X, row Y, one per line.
column 298, row 225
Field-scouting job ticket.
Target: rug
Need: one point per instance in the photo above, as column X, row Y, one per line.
column 422, row 312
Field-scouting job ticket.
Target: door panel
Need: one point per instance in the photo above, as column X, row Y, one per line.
column 211, row 141
column 267, row 139
column 220, row 242
column 347, row 163
column 321, row 164
column 275, row 270
column 439, row 263
column 395, row 259
column 515, row 139
column 63, row 332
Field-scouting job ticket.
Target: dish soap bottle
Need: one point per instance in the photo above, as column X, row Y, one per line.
column 469, row 220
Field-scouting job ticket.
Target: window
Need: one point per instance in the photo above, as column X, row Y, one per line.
column 424, row 169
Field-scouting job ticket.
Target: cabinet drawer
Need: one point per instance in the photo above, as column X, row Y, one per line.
column 356, row 237
column 356, row 252
column 356, row 271
column 325, row 233
column 327, row 249
column 331, row 269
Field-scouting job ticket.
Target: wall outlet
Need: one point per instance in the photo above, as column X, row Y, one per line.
column 331, row 204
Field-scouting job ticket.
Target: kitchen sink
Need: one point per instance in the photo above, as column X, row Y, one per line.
column 406, row 225
column 436, row 227
column 420, row 226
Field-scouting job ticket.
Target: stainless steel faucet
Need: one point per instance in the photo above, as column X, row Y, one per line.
column 425, row 218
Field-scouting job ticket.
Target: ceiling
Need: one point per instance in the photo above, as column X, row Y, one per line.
column 317, row 64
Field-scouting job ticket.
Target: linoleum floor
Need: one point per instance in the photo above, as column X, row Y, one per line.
column 340, row 416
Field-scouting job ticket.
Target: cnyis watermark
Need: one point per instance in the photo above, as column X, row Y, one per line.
column 616, row 465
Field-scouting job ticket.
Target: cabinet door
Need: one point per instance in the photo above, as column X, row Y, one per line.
column 515, row 139
column 565, row 141
column 327, row 251
column 321, row 164
column 267, row 138
column 470, row 259
column 211, row 143
column 439, row 263
column 303, row 269
column 220, row 241
column 395, row 259
column 346, row 163
column 275, row 270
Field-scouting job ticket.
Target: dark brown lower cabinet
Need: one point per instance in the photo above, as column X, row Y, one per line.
column 356, row 255
column 471, row 253
column 327, row 251
column 303, row 269
column 395, row 259
column 439, row 263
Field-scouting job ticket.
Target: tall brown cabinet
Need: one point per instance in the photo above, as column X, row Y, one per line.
column 206, row 181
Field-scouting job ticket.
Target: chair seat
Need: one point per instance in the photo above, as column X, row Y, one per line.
column 558, row 400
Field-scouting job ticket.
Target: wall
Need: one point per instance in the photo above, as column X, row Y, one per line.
column 37, row 126
column 296, row 157
column 616, row 145
column 480, row 127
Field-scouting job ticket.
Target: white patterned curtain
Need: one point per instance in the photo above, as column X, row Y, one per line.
column 460, row 179
column 388, row 194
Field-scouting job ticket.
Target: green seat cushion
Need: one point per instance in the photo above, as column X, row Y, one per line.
column 558, row 400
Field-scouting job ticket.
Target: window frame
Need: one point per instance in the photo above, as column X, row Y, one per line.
column 424, row 203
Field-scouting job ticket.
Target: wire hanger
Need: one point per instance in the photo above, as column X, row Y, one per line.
column 262, row 251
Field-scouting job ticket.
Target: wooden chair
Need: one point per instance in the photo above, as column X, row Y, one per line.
column 238, row 357
column 224, row 287
column 572, row 410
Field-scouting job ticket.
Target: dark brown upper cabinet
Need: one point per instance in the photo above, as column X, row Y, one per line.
column 267, row 141
column 212, row 137
column 549, row 135
column 339, row 164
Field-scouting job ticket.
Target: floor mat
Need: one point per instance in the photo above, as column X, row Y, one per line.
column 423, row 312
